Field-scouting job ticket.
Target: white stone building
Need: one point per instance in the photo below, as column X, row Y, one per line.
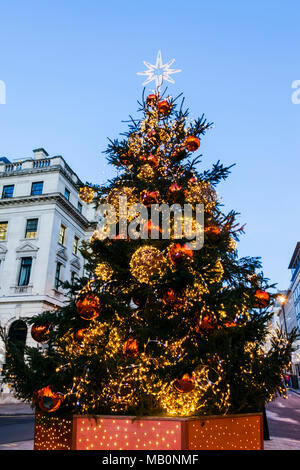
column 42, row 222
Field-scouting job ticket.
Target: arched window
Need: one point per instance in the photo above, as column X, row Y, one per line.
column 17, row 335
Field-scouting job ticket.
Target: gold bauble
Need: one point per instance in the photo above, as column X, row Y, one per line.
column 201, row 193
column 147, row 262
column 86, row 194
column 103, row 271
column 146, row 172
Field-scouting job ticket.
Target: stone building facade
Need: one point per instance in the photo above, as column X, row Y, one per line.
column 42, row 223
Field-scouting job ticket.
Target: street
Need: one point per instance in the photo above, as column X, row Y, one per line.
column 284, row 423
column 16, row 432
column 16, row 428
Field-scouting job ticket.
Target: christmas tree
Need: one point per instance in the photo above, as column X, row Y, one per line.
column 158, row 325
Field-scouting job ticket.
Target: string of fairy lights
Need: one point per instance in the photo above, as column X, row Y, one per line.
column 132, row 372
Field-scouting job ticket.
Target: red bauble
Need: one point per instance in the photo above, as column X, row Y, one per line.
column 48, row 400
column 148, row 197
column 151, row 230
column 262, row 299
column 151, row 100
column 123, row 159
column 192, row 143
column 171, row 299
column 212, row 230
column 131, row 348
column 164, row 107
column 88, row 307
column 40, row 333
column 152, row 160
column 79, row 335
column 205, row 324
column 192, row 180
column 179, row 253
column 184, row 385
column 175, row 191
column 120, row 236
column 179, row 154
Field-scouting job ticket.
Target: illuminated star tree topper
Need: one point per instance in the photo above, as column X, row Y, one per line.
column 159, row 72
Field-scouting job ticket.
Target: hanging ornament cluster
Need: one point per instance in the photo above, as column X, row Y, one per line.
column 88, row 307
column 86, row 194
column 40, row 333
column 147, row 263
column 48, row 400
column 163, row 107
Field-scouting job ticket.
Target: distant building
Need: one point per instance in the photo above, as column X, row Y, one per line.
column 42, row 223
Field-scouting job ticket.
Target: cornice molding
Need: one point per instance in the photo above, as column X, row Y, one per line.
column 46, row 169
column 57, row 198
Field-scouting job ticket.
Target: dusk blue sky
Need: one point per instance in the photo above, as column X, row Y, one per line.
column 70, row 72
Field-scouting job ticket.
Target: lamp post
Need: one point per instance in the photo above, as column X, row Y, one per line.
column 282, row 300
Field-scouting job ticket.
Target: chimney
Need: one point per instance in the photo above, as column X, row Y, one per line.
column 40, row 153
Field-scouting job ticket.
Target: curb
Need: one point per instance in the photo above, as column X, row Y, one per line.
column 293, row 390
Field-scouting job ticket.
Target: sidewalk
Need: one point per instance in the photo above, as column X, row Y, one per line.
column 21, row 409
column 16, row 409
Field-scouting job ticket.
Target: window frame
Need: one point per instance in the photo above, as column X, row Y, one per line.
column 26, row 229
column 3, row 191
column 3, row 231
column 76, row 245
column 68, row 192
column 27, row 269
column 57, row 280
column 62, row 240
column 37, row 193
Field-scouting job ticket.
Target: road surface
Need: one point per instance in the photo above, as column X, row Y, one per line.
column 16, row 428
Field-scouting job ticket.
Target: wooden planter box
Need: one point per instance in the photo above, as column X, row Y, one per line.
column 80, row 432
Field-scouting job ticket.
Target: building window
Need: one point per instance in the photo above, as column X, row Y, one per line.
column 37, row 188
column 75, row 246
column 16, row 339
column 25, row 270
column 3, row 230
column 8, row 191
column 67, row 194
column 57, row 276
column 79, row 207
column 31, row 228
column 62, row 235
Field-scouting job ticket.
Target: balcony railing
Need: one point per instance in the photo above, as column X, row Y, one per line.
column 13, row 167
column 41, row 163
column 22, row 289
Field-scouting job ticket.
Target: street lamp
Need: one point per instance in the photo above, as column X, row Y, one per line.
column 282, row 300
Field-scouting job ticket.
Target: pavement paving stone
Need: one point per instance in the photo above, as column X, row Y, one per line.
column 276, row 424
column 22, row 445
